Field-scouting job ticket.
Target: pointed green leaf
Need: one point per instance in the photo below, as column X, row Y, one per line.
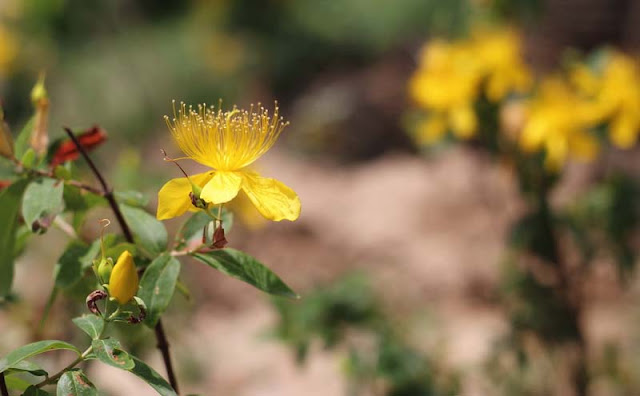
column 42, row 198
column 241, row 266
column 69, row 268
column 9, row 211
column 22, row 141
column 90, row 324
column 132, row 198
column 35, row 348
column 35, row 391
column 110, row 352
column 157, row 286
column 75, row 383
column 26, row 366
column 151, row 377
column 148, row 232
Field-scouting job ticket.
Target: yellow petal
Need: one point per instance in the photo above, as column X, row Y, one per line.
column 431, row 130
column 584, row 146
column 173, row 197
column 624, row 131
column 274, row 200
column 557, row 150
column 222, row 188
column 463, row 121
column 123, row 284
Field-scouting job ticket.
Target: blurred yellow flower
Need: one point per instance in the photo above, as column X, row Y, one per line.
column 123, row 283
column 499, row 54
column 228, row 142
column 557, row 122
column 616, row 97
column 446, row 85
column 451, row 75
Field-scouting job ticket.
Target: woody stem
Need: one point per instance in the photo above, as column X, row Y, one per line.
column 163, row 344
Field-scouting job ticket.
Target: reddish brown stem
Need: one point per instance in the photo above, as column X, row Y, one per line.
column 163, row 344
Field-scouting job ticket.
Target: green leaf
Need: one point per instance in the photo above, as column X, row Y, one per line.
column 132, row 198
column 115, row 251
column 86, row 261
column 241, row 266
column 151, row 377
column 26, row 366
column 148, row 232
column 35, row 348
column 90, row 324
column 22, row 141
column 28, row 159
column 75, row 383
column 69, row 268
column 157, row 286
column 35, row 391
column 42, row 197
column 110, row 352
column 9, row 211
column 17, row 383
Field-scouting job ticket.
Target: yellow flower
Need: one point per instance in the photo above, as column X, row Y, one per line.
column 557, row 122
column 123, row 283
column 616, row 97
column 446, row 84
column 499, row 54
column 228, row 142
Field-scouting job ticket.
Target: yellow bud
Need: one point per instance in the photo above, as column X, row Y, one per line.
column 39, row 92
column 123, row 284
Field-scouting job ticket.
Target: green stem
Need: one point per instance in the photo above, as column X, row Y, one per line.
column 54, row 378
column 214, row 217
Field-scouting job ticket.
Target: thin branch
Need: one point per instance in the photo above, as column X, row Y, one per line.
column 107, row 192
column 163, row 344
column 82, row 150
column 74, row 183
column 54, row 378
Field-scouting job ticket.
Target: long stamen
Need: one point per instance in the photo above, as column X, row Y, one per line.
column 225, row 140
column 175, row 161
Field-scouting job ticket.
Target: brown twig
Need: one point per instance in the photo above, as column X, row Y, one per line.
column 74, row 183
column 163, row 344
column 106, row 191
column 3, row 386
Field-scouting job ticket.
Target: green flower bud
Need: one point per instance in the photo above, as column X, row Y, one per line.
column 104, row 269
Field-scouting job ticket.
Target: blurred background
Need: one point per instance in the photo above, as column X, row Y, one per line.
column 400, row 254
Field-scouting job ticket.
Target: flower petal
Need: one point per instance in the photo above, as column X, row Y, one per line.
column 463, row 121
column 274, row 200
column 173, row 197
column 222, row 188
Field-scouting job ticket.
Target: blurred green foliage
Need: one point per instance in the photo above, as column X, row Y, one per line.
column 342, row 315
